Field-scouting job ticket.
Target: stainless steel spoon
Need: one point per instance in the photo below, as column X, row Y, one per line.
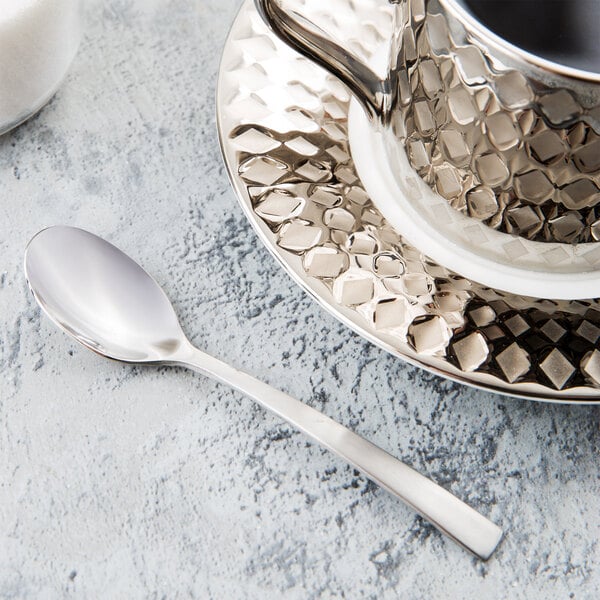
column 106, row 301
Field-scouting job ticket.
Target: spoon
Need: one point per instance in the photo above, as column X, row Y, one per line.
column 106, row 301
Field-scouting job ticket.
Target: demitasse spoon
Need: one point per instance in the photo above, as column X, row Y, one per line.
column 106, row 301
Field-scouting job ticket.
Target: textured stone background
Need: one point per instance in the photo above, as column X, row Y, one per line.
column 119, row 482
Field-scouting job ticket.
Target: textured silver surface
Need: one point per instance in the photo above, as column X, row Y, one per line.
column 284, row 129
column 132, row 483
column 497, row 141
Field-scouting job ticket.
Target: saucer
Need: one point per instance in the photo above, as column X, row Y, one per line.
column 283, row 126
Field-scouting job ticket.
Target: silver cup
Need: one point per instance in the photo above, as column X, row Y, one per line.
column 506, row 136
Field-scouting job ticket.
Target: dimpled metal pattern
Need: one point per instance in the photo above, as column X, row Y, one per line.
column 283, row 126
column 522, row 157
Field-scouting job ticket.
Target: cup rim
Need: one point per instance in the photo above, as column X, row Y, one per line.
column 490, row 39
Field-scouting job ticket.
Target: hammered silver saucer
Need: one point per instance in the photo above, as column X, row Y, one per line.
column 283, row 129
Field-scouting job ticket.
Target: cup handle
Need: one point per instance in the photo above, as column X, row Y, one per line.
column 374, row 93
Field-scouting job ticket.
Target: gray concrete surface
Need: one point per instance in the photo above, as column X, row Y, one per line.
column 120, row 482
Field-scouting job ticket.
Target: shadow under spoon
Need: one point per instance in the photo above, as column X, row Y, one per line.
column 107, row 302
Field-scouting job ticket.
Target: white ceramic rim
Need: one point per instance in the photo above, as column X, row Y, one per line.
column 367, row 144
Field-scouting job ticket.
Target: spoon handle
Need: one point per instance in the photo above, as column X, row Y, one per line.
column 450, row 515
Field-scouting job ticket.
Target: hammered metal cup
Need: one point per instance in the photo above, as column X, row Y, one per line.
column 506, row 137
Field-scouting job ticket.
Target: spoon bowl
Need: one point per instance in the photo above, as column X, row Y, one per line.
column 101, row 296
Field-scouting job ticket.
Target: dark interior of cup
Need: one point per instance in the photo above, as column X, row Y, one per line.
column 563, row 31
